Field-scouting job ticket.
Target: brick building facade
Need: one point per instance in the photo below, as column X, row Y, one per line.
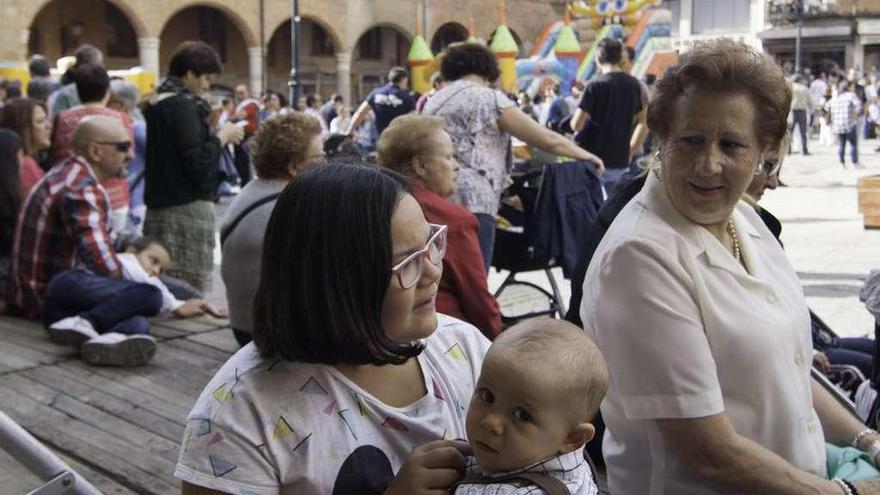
column 346, row 46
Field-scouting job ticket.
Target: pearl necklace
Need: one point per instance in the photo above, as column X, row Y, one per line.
column 733, row 237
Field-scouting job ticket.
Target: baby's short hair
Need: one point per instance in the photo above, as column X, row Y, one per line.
column 567, row 349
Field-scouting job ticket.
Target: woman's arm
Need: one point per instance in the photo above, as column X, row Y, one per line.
column 515, row 122
column 714, row 453
column 839, row 425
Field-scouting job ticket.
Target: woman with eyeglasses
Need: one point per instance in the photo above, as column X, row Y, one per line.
column 700, row 317
column 283, row 146
column 353, row 383
column 417, row 147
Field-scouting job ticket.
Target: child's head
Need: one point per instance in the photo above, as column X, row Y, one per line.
column 150, row 253
column 540, row 386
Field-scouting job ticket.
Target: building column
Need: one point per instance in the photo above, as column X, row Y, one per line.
column 858, row 53
column 149, row 54
column 255, row 59
column 343, row 76
column 686, row 19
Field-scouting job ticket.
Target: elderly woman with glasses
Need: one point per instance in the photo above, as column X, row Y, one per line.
column 700, row 317
column 353, row 383
column 284, row 145
column 418, row 148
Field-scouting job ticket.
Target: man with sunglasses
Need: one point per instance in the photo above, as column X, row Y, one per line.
column 63, row 228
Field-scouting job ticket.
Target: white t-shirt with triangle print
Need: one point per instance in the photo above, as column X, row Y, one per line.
column 277, row 427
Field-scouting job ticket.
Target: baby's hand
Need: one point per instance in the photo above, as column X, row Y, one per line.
column 431, row 468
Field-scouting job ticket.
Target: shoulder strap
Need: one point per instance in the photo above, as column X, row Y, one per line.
column 226, row 232
column 550, row 485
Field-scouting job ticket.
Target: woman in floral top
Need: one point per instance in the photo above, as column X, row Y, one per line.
column 480, row 121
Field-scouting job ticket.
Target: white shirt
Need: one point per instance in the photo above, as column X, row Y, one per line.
column 269, row 426
column 688, row 333
column 132, row 270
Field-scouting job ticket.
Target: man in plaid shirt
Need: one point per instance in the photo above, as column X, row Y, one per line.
column 845, row 108
column 63, row 226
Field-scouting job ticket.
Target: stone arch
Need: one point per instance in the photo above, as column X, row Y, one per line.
column 244, row 29
column 334, row 36
column 58, row 27
column 449, row 32
column 30, row 11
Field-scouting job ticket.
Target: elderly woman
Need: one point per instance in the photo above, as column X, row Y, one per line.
column 353, row 382
column 480, row 121
column 701, row 318
column 418, row 148
column 283, row 146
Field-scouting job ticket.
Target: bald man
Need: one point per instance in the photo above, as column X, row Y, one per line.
column 62, row 237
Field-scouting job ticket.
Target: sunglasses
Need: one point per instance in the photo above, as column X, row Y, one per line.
column 409, row 271
column 771, row 168
column 121, row 147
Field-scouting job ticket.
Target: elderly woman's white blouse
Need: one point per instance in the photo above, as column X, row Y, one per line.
column 689, row 333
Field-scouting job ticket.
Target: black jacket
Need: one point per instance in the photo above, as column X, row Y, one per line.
column 182, row 155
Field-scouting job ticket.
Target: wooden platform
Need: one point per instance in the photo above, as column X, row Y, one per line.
column 118, row 427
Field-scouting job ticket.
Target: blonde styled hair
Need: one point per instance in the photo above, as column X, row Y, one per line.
column 404, row 139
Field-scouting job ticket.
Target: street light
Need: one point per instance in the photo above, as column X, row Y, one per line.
column 293, row 82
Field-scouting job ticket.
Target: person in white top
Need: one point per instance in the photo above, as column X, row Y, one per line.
column 352, row 383
column 700, row 317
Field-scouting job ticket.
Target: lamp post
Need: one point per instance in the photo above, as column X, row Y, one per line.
column 293, row 82
column 799, row 13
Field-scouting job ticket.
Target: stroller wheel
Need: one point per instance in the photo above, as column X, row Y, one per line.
column 522, row 300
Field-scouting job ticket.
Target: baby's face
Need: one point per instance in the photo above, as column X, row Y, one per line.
column 153, row 259
column 516, row 415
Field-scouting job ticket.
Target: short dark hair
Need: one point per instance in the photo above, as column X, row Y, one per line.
column 397, row 74
column 92, row 82
column 39, row 66
column 336, row 98
column 610, row 51
column 325, row 271
column 631, row 53
column 311, row 99
column 139, row 243
column 195, row 56
column 39, row 89
column 465, row 59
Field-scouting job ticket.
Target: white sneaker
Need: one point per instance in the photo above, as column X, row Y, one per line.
column 73, row 330
column 116, row 349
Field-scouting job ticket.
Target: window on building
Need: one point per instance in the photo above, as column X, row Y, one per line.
column 34, row 45
column 121, row 39
column 322, row 44
column 370, row 45
column 720, row 16
column 674, row 7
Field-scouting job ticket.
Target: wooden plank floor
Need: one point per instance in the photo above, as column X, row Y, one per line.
column 120, row 428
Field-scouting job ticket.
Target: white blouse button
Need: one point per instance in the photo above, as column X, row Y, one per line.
column 798, row 359
column 771, row 298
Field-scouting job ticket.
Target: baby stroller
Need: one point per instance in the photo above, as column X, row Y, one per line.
column 543, row 217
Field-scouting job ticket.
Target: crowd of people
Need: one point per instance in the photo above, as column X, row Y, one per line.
column 355, row 256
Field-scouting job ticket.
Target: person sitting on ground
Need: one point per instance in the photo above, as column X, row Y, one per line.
column 93, row 87
column 30, row 120
column 10, row 200
column 284, row 145
column 480, row 120
column 539, row 388
column 418, row 148
column 107, row 317
column 353, row 383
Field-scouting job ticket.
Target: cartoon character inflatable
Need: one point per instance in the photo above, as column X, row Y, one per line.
column 607, row 12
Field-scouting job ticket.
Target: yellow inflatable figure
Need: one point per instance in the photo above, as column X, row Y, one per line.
column 604, row 12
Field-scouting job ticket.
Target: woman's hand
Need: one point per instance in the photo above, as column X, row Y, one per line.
column 867, row 487
column 820, row 360
column 198, row 307
column 431, row 469
column 595, row 160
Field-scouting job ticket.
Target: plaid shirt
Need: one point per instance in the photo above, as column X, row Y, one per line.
column 843, row 108
column 62, row 224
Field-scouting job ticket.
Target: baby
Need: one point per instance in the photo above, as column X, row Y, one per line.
column 143, row 259
column 540, row 385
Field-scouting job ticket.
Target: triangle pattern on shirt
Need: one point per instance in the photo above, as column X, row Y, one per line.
column 201, row 427
column 330, row 408
column 282, row 428
column 455, row 352
column 438, row 392
column 394, row 424
column 223, row 393
column 312, row 387
column 220, row 467
column 348, row 416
